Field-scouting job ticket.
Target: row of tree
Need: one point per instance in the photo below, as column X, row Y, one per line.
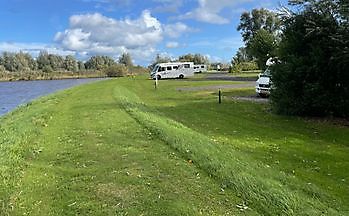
column 310, row 45
column 45, row 62
column 196, row 58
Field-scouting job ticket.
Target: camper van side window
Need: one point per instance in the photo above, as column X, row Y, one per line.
column 169, row 68
column 202, row 66
column 162, row 69
column 187, row 66
column 175, row 67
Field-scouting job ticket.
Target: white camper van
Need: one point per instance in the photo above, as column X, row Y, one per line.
column 200, row 68
column 173, row 70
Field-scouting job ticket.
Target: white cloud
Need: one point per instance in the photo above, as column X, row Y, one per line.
column 33, row 48
column 209, row 11
column 98, row 34
column 110, row 5
column 167, row 6
column 227, row 43
column 172, row 44
column 214, row 59
column 177, row 29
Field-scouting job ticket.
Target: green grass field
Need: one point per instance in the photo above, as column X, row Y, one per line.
column 120, row 147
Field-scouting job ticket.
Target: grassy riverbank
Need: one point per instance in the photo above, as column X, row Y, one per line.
column 121, row 147
column 38, row 75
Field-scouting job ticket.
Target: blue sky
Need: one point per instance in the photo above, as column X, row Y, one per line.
column 110, row 27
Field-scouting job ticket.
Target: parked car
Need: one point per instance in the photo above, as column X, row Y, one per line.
column 264, row 84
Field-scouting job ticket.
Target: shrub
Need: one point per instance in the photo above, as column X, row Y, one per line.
column 312, row 76
column 244, row 66
column 47, row 69
column 117, row 70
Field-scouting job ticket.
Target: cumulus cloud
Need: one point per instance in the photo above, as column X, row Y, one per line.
column 98, row 34
column 177, row 29
column 172, row 44
column 33, row 48
column 209, row 11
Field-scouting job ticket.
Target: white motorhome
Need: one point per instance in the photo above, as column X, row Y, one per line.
column 173, row 70
column 200, row 68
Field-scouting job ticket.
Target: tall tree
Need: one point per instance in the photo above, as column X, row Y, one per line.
column 260, row 30
column 251, row 22
column 196, row 58
column 126, row 60
column 242, row 56
column 99, row 62
column 159, row 59
column 70, row 63
column 262, row 46
column 10, row 62
column 43, row 60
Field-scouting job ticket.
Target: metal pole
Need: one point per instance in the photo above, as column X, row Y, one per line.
column 219, row 96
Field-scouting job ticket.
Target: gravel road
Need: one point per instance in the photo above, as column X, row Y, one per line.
column 216, row 87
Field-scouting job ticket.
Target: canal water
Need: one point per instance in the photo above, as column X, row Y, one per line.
column 13, row 94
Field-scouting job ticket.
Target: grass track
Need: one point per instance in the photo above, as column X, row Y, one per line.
column 109, row 148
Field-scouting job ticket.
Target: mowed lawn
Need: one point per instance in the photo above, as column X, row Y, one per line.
column 120, row 147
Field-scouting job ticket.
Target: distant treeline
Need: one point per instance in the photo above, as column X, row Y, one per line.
column 21, row 65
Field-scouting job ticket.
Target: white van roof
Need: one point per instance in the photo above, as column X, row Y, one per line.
column 174, row 63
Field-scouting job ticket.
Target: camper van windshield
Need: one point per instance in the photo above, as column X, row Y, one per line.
column 267, row 73
column 156, row 68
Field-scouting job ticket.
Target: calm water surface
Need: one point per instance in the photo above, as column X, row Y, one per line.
column 13, row 94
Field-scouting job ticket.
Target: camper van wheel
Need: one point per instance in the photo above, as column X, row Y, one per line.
column 159, row 77
column 181, row 76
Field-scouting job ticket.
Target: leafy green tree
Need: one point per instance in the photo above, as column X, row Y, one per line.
column 81, row 66
column 260, row 30
column 116, row 70
column 242, row 56
column 56, row 62
column 24, row 62
column 242, row 61
column 126, row 60
column 159, row 59
column 196, row 58
column 43, row 59
column 2, row 68
column 99, row 62
column 262, row 46
column 70, row 63
column 9, row 61
column 312, row 76
column 251, row 22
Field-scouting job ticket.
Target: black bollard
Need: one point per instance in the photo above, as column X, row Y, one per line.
column 219, row 96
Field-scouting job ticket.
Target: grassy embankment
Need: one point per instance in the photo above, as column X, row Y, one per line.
column 120, row 147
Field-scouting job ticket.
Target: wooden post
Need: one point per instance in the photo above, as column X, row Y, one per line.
column 219, row 96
